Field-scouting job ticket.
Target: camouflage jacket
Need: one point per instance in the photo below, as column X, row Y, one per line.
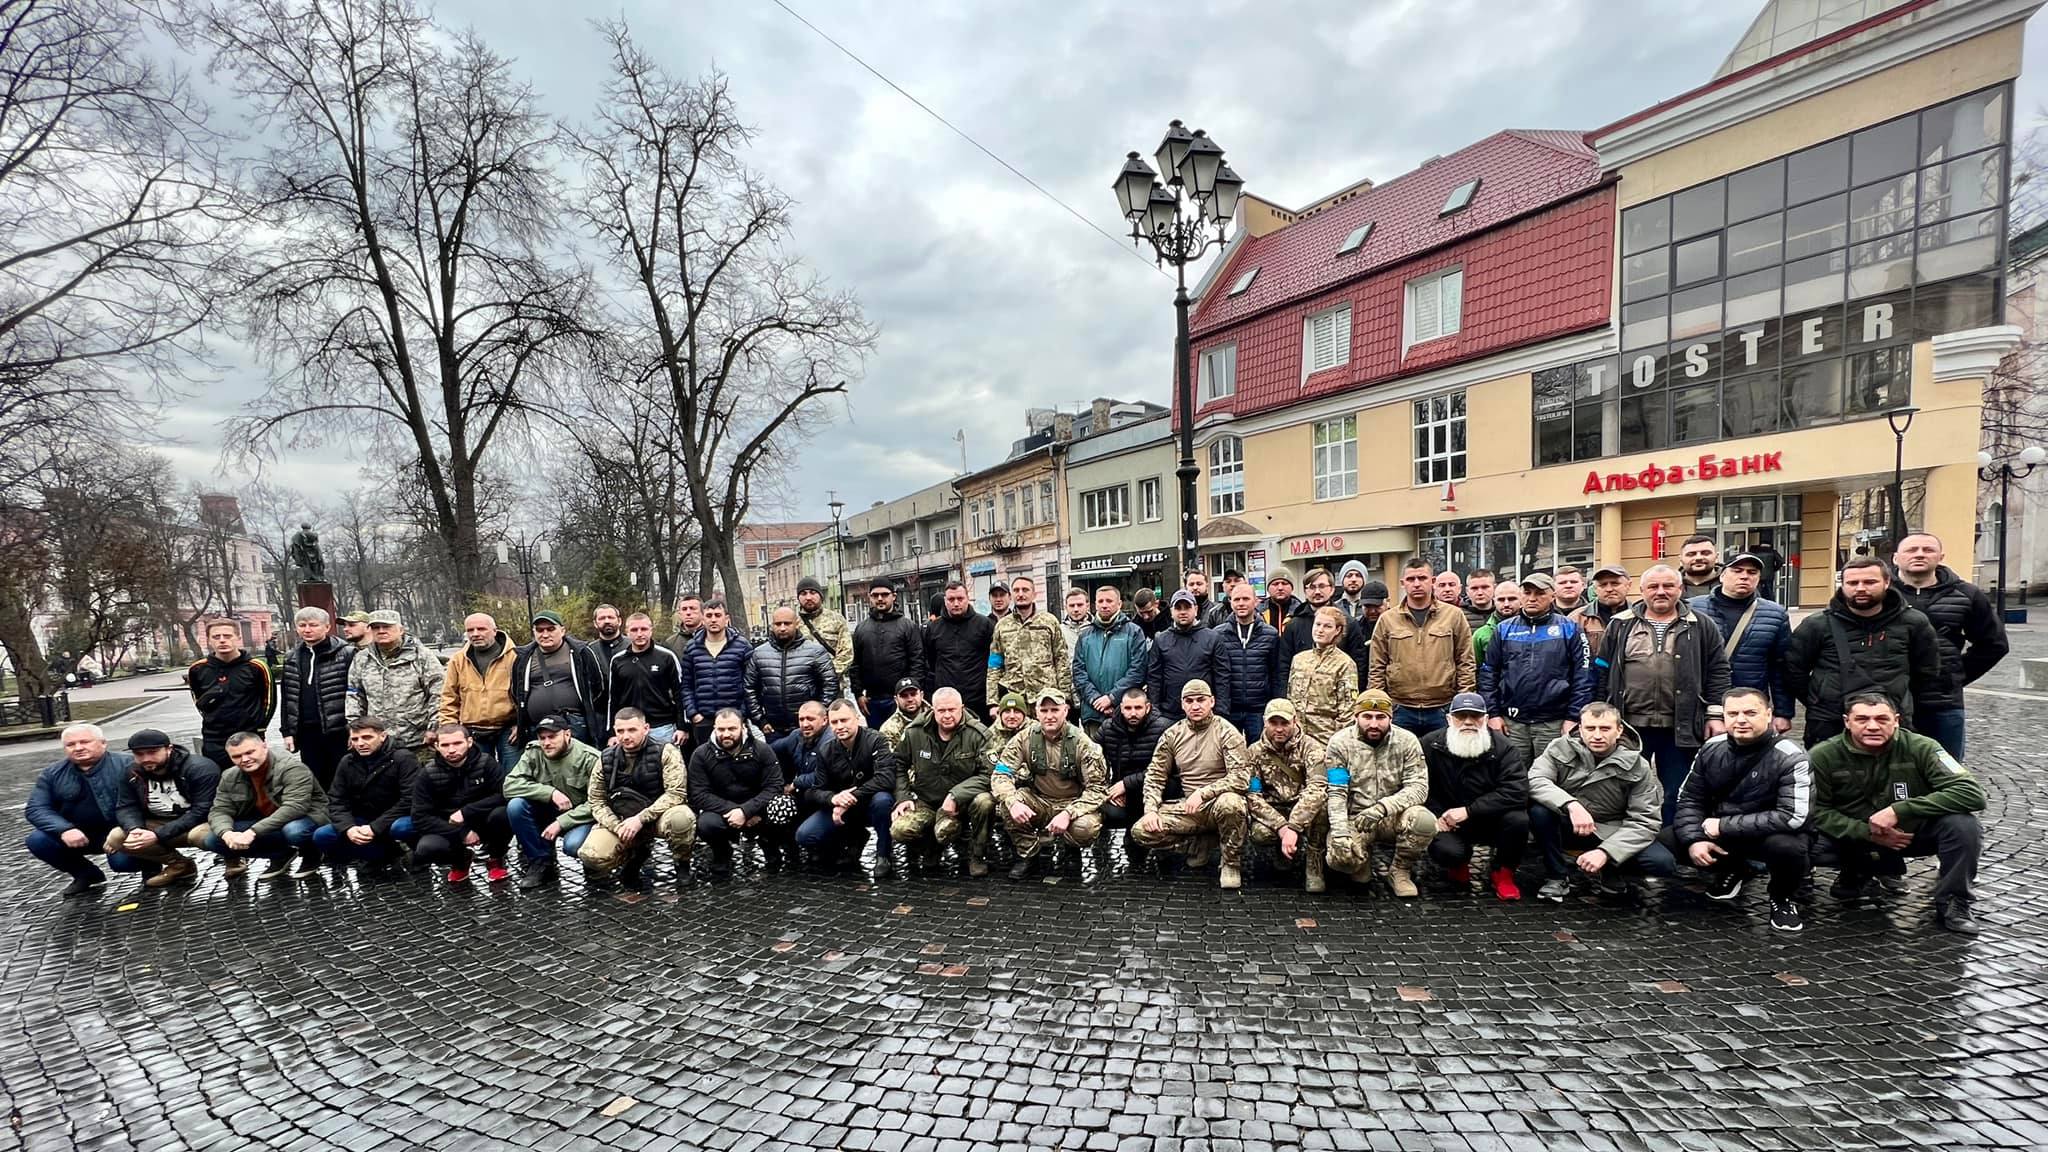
column 1322, row 683
column 1368, row 784
column 898, row 723
column 1071, row 771
column 404, row 688
column 1208, row 759
column 1028, row 657
column 613, row 766
column 830, row 629
column 999, row 738
column 1286, row 786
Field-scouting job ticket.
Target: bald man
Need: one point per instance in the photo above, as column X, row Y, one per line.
column 477, row 692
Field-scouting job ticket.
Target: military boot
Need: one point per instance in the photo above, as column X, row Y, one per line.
column 1228, row 879
column 1401, row 876
column 1312, row 873
column 1201, row 852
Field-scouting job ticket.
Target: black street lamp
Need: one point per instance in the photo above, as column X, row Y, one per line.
column 838, row 550
column 1900, row 419
column 1200, row 193
column 528, row 554
column 2005, row 472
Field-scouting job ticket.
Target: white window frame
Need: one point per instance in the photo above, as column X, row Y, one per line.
column 1444, row 293
column 1104, row 508
column 1426, row 424
column 1226, row 477
column 1151, row 509
column 1218, row 371
column 1337, row 321
column 1333, row 463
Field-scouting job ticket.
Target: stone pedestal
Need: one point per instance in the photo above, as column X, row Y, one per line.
column 318, row 595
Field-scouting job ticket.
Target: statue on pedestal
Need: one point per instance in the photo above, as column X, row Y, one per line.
column 305, row 555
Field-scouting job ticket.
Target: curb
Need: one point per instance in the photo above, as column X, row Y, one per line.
column 36, row 734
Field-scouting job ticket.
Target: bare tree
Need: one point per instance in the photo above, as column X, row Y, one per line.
column 746, row 341
column 412, row 295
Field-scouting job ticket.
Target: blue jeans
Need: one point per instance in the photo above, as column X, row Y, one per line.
column 504, row 750
column 1554, row 834
column 75, row 862
column 1420, row 722
column 1252, row 724
column 529, row 817
column 665, row 734
column 1673, row 762
column 1942, row 725
column 275, row 844
column 332, row 841
column 818, row 830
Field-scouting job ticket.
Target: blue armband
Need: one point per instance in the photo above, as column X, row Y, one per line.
column 1006, row 770
column 1257, row 785
column 995, row 659
column 1338, row 775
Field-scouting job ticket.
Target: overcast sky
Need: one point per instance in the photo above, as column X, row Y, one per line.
column 990, row 298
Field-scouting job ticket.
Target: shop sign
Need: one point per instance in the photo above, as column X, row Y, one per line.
column 1707, row 467
column 982, row 568
column 1315, row 546
column 1118, row 561
column 1255, row 564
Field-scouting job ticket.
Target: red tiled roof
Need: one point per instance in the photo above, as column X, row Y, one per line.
column 1520, row 171
column 781, row 531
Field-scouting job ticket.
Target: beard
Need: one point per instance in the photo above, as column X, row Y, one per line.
column 1467, row 745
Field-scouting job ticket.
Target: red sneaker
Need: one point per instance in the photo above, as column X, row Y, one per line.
column 1504, row 885
column 496, row 872
column 1460, row 876
column 458, row 875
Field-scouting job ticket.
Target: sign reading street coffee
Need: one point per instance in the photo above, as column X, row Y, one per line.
column 1117, row 562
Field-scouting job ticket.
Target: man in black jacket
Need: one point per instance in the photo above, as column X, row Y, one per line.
column 1187, row 651
column 1479, row 791
column 649, row 677
column 369, row 809
column 313, row 686
column 887, row 647
column 956, row 651
column 1299, row 636
column 165, row 807
column 1971, row 634
column 1748, row 797
column 458, row 802
column 557, row 676
column 1866, row 639
column 231, row 691
column 854, row 790
column 782, row 675
column 733, row 776
column 1128, row 740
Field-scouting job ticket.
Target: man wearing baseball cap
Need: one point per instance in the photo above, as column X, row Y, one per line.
column 1538, row 672
column 1610, row 599
column 909, row 710
column 1285, row 793
column 355, row 628
column 1479, row 793
column 1756, row 632
column 1378, row 785
column 1049, row 783
column 1184, row 652
column 1207, row 754
column 559, row 676
column 165, row 807
column 396, row 678
column 548, row 798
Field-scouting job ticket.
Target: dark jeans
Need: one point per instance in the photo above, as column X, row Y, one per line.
column 275, row 844
column 879, row 710
column 1252, row 724
column 1420, row 722
column 1944, row 726
column 1784, row 853
column 1507, row 833
column 76, row 862
column 712, row 829
column 1554, row 834
column 1819, row 728
column 495, row 830
column 1132, row 810
column 332, row 841
column 322, row 752
column 1957, row 838
column 818, row 830
column 499, row 744
column 1673, row 762
column 528, row 817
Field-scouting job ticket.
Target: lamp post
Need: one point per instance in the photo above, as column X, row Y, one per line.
column 2005, row 472
column 1900, row 419
column 528, row 554
column 838, row 550
column 1200, row 192
column 916, row 573
column 764, row 599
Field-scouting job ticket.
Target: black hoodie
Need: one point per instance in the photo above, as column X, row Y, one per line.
column 887, row 647
column 231, row 695
column 1895, row 651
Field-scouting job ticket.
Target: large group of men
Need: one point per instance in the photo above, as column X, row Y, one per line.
column 1628, row 728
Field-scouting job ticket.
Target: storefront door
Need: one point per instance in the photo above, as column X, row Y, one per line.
column 1767, row 525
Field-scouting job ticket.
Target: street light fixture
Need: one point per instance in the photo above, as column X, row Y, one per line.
column 529, row 554
column 1174, row 209
column 1900, row 419
column 2005, row 472
column 838, row 549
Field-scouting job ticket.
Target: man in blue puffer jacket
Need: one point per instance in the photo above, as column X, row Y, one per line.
column 714, row 672
column 1756, row 658
column 1109, row 658
column 1538, row 674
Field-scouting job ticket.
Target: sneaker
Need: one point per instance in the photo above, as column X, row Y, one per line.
column 1555, row 890
column 459, row 875
column 536, row 876
column 1459, row 877
column 1849, row 886
column 495, row 870
column 1227, row 878
column 308, row 865
column 885, row 866
column 1504, row 886
column 80, row 886
column 279, row 868
column 1724, row 884
column 177, row 871
column 1614, row 887
column 1785, row 916
column 1957, row 917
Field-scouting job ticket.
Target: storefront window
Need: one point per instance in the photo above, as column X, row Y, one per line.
column 1767, row 524
column 1512, row 545
column 1788, row 294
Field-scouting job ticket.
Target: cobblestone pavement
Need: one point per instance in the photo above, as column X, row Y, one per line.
column 1118, row 1012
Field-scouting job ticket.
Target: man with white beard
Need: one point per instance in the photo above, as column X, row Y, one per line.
column 1479, row 791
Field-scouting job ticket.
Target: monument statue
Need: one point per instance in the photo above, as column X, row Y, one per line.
column 305, row 554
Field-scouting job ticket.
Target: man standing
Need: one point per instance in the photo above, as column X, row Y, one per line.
column 1866, row 639
column 1145, row 613
column 1610, row 599
column 1029, row 653
column 1187, row 652
column 825, row 625
column 1362, row 600
column 1699, row 565
column 854, row 790
column 1665, row 667
column 1109, row 658
column 1479, row 793
column 733, row 777
column 998, row 600
column 942, row 750
column 1748, row 798
column 1049, row 782
column 1286, row 795
column 1971, row 634
column 689, row 622
column 1755, row 634
column 547, row 797
column 74, row 810
column 1507, row 604
column 1128, row 742
column 369, row 810
column 458, row 802
column 396, row 678
column 640, row 792
column 712, row 673
column 1450, row 589
column 909, row 709
column 1422, row 653
column 1076, row 618
column 1206, row 753
column 313, row 690
column 269, row 806
column 168, row 798
column 1538, row 674
column 657, row 683
column 1196, row 582
column 231, row 691
column 1280, row 600
column 1592, row 793
column 888, row 648
column 785, row 673
column 1478, row 604
column 956, row 650
column 1883, row 795
column 355, row 630
column 610, row 638
column 476, row 691
column 1252, row 671
column 1378, row 786
column 1299, row 634
column 1571, row 590
column 557, row 676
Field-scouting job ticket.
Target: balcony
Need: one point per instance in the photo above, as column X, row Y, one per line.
column 900, row 567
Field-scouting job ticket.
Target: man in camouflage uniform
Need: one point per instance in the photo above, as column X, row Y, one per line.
column 1208, row 754
column 1029, row 653
column 909, row 710
column 825, row 625
column 397, row 679
column 942, row 749
column 1378, row 782
column 973, row 799
column 1050, row 782
column 1286, row 795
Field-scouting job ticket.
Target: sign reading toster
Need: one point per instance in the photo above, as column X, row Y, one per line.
column 1805, row 336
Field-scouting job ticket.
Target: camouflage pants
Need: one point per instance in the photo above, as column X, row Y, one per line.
column 1314, row 842
column 925, row 820
column 1409, row 831
column 603, row 852
column 1223, row 818
column 1029, row 836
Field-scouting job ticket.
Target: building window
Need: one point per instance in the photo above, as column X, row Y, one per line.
column 1326, row 339
column 1106, row 508
column 975, row 527
column 1336, row 458
column 1226, row 476
column 1436, row 306
column 944, row 538
column 1513, row 546
column 888, row 550
column 1149, row 510
column 1219, row 372
column 1217, row 563
column 1030, row 506
column 1010, row 510
column 1045, row 501
column 1440, row 439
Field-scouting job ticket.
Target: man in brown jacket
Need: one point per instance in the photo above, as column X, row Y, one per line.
column 1422, row 653
column 1208, row 755
column 477, row 691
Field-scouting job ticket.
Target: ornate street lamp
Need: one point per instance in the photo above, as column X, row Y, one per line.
column 2005, row 472
column 838, row 550
column 1900, row 419
column 1176, row 218
column 529, row 554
